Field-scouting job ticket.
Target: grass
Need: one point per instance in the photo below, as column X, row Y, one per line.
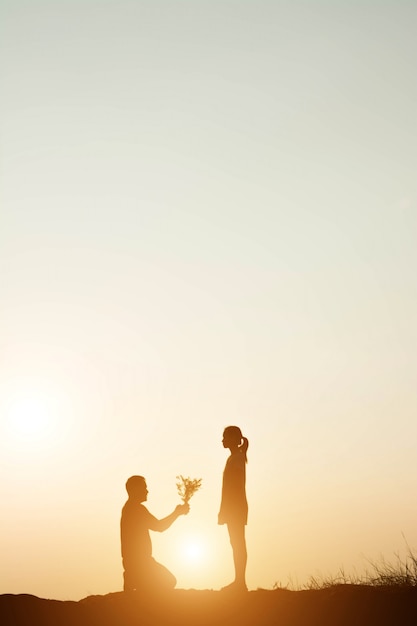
column 401, row 573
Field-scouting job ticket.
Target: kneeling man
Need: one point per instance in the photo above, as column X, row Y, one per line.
column 141, row 571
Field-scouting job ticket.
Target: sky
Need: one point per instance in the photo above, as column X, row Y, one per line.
column 208, row 216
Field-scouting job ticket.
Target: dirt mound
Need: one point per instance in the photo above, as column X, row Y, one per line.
column 345, row 605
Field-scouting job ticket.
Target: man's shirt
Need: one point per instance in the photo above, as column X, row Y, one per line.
column 134, row 530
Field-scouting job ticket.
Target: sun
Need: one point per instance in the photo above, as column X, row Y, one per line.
column 193, row 550
column 35, row 419
column 30, row 418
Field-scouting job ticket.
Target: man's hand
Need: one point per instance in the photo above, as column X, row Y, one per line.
column 182, row 509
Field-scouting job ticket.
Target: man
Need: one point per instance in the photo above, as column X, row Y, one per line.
column 141, row 571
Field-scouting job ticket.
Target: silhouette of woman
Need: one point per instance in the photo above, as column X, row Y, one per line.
column 234, row 506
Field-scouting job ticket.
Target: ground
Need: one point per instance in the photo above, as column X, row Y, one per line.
column 343, row 605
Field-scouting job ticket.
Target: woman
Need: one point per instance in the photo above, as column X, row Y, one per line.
column 234, row 506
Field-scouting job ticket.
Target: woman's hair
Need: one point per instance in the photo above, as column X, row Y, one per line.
column 235, row 434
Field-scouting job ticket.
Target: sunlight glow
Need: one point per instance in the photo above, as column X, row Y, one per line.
column 30, row 418
column 36, row 418
column 194, row 550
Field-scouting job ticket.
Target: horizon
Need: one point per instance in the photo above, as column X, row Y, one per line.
column 208, row 217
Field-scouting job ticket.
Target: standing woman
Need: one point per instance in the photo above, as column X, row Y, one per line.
column 234, row 506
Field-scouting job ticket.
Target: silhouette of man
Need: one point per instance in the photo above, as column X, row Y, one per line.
column 141, row 571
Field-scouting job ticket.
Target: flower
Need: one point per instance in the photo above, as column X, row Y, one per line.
column 187, row 487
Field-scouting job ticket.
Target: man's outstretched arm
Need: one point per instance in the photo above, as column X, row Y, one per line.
column 162, row 524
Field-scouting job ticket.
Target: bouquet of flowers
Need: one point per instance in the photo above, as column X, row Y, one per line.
column 187, row 487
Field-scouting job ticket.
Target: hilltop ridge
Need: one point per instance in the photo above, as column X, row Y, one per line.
column 341, row 605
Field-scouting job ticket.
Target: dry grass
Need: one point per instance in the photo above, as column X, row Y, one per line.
column 400, row 573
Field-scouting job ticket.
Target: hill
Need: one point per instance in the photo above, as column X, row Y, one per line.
column 341, row 605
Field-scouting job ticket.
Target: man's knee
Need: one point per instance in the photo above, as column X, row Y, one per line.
column 162, row 577
column 154, row 576
column 128, row 582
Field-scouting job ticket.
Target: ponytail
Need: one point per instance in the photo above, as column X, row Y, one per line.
column 244, row 447
column 235, row 435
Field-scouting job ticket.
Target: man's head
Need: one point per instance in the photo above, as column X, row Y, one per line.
column 136, row 488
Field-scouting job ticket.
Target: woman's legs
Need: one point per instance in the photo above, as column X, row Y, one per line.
column 238, row 543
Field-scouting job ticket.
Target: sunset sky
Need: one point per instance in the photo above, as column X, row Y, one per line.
column 208, row 216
